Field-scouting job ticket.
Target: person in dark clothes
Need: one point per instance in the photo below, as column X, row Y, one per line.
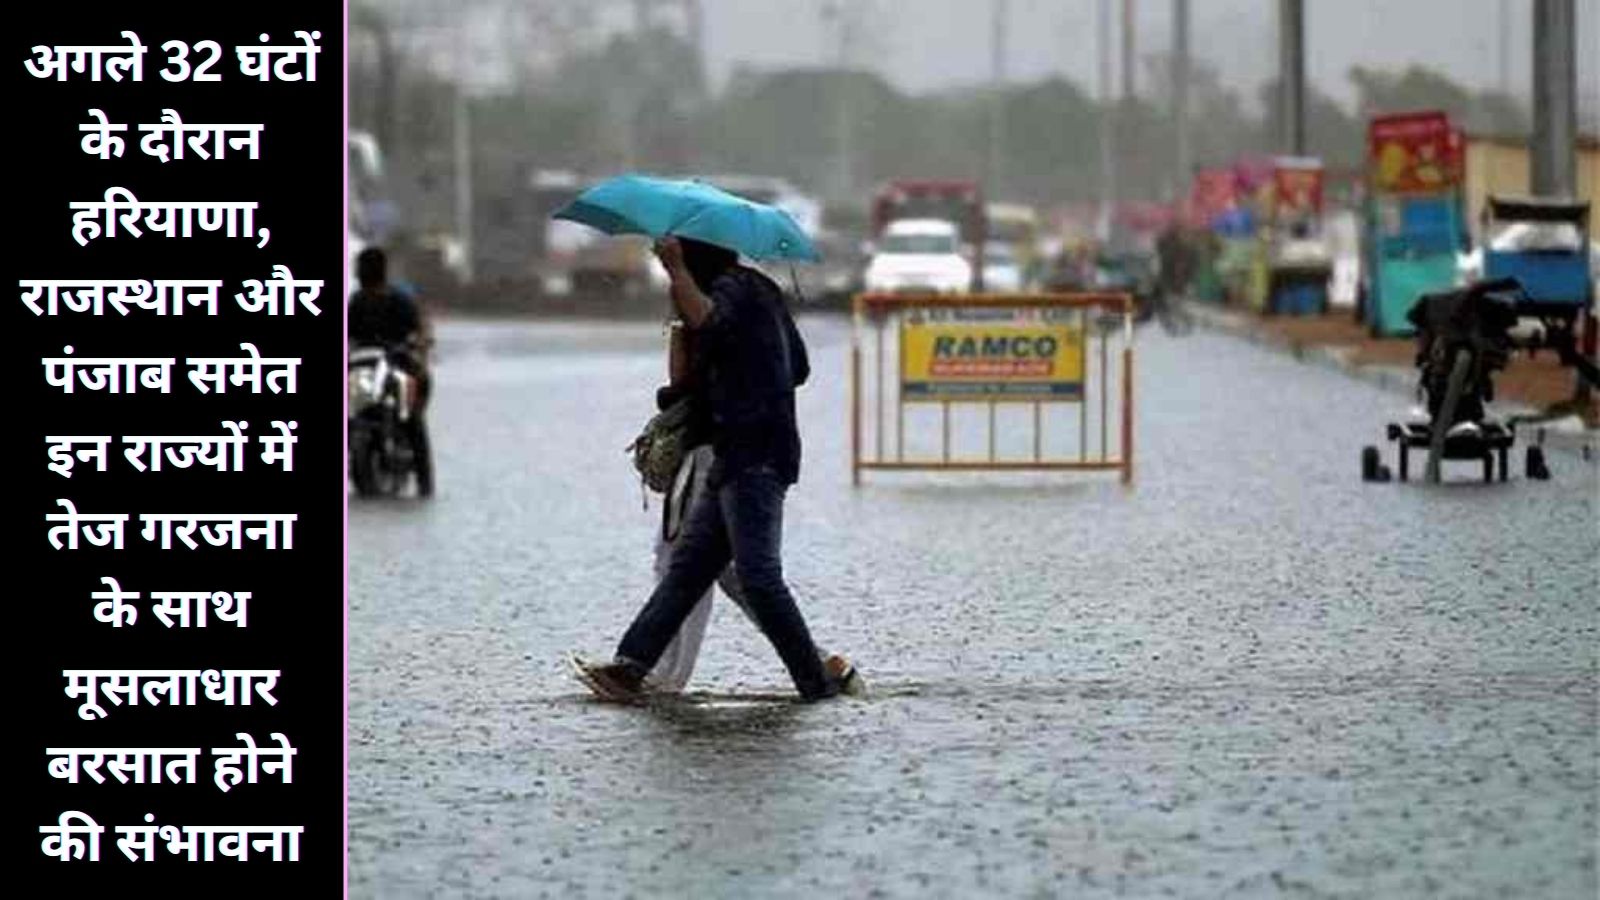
column 687, row 381
column 381, row 315
column 753, row 359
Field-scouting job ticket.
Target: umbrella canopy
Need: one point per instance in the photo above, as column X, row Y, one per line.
column 662, row 207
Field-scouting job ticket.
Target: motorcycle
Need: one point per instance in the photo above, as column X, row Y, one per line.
column 388, row 439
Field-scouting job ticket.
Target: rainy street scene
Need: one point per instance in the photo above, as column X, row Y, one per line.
column 999, row 449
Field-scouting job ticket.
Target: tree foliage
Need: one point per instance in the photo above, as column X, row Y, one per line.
column 640, row 101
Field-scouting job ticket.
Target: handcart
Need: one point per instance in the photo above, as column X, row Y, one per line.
column 1463, row 338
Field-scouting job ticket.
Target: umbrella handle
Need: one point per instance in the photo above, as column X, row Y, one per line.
column 794, row 280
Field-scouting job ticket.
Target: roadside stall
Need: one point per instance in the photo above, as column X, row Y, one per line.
column 1413, row 226
column 1254, row 183
column 1241, row 261
column 1301, row 265
column 1211, row 197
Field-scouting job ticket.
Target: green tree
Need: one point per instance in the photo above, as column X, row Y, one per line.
column 1419, row 87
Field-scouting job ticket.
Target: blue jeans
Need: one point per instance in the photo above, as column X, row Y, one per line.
column 740, row 520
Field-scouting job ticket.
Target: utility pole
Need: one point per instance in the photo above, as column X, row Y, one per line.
column 842, row 17
column 365, row 18
column 1108, row 143
column 1292, row 76
column 633, row 90
column 1553, row 166
column 997, row 81
column 1180, row 94
column 695, row 21
column 1129, row 54
column 1505, row 47
column 463, row 152
column 1553, row 160
column 1124, row 115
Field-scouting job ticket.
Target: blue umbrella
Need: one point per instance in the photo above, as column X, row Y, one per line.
column 659, row 207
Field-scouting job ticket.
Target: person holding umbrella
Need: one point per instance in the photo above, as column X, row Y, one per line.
column 753, row 358
column 686, row 380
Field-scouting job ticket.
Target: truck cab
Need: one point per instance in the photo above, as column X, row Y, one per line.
column 959, row 203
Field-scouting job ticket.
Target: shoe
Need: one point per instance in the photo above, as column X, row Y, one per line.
column 844, row 673
column 615, row 682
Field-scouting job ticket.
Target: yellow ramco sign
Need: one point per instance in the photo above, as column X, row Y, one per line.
column 990, row 361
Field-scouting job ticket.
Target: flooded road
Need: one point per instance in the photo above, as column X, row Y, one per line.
column 1248, row 675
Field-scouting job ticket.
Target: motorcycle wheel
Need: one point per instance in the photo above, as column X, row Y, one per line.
column 385, row 478
column 363, row 458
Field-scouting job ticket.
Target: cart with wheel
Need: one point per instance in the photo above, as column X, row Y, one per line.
column 1545, row 245
column 1463, row 338
column 1488, row 441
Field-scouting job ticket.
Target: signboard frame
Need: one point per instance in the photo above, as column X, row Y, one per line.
column 993, row 356
column 1110, row 313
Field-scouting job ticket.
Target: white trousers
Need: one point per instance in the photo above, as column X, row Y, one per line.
column 672, row 671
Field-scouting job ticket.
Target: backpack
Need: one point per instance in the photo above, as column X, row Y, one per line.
column 659, row 449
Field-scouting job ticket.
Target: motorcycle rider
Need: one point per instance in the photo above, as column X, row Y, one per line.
column 383, row 315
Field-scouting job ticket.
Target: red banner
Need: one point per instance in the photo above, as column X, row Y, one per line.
column 1213, row 193
column 1413, row 153
column 1297, row 190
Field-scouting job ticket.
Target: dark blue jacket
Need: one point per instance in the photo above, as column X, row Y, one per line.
column 753, row 358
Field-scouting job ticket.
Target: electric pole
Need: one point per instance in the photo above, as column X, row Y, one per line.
column 1180, row 93
column 1553, row 160
column 843, row 19
column 1505, row 47
column 1555, row 112
column 1292, row 76
column 1125, row 104
column 695, row 25
column 1129, row 54
column 462, row 146
column 997, row 81
column 1108, row 144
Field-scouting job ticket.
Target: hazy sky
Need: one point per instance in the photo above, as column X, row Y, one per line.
column 926, row 44
column 934, row 43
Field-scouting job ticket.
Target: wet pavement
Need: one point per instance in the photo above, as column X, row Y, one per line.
column 1248, row 675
